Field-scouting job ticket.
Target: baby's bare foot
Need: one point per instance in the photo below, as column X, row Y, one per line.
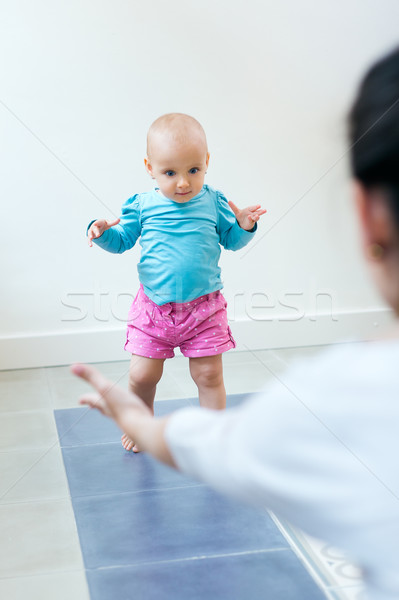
column 128, row 444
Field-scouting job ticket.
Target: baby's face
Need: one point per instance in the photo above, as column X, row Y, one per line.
column 178, row 167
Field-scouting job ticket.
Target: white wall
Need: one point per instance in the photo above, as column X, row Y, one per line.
column 271, row 83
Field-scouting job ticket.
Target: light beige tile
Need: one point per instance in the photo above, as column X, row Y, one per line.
column 38, row 537
column 184, row 386
column 54, row 373
column 270, row 361
column 70, row 585
column 175, row 364
column 33, row 429
column 251, row 378
column 113, row 368
column 32, row 475
column 24, row 395
column 169, row 388
column 239, row 358
column 65, row 392
column 290, row 355
column 27, row 375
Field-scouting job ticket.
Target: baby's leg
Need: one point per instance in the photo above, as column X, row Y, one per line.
column 207, row 372
column 144, row 375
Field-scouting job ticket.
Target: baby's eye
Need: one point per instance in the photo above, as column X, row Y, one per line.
column 169, row 173
column 193, row 170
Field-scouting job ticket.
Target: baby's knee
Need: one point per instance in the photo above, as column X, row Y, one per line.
column 143, row 378
column 207, row 375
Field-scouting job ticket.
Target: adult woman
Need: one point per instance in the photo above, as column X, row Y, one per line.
column 322, row 453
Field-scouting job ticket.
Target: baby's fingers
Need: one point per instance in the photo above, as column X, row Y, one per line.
column 94, row 232
column 234, row 208
column 112, row 223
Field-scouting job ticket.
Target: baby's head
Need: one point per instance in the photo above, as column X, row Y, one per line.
column 177, row 156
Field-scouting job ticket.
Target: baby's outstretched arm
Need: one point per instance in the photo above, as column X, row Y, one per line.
column 129, row 412
column 247, row 217
column 97, row 228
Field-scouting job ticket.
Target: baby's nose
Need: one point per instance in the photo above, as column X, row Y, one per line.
column 183, row 182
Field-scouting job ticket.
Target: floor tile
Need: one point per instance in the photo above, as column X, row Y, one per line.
column 82, row 426
column 70, row 585
column 24, row 395
column 38, row 537
column 108, row 468
column 26, row 375
column 290, row 355
column 66, row 391
column 252, row 378
column 275, row 575
column 32, row 475
column 33, row 429
column 168, row 524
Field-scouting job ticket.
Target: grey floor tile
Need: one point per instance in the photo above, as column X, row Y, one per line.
column 38, row 537
column 82, row 426
column 108, row 469
column 169, row 524
column 69, row 585
column 275, row 575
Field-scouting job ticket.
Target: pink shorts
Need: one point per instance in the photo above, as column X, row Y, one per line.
column 198, row 327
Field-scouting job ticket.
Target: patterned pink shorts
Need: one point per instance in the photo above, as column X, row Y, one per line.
column 198, row 327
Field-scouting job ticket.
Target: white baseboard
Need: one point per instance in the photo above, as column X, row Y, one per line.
column 45, row 350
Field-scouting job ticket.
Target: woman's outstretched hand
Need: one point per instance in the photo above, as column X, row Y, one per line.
column 111, row 400
column 131, row 414
column 247, row 217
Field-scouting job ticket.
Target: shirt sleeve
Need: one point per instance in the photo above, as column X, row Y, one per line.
column 231, row 235
column 123, row 236
column 293, row 448
column 233, row 451
column 317, row 448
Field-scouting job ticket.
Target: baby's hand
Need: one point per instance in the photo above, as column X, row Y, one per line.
column 98, row 227
column 247, row 217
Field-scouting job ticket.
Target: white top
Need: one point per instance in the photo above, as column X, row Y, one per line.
column 320, row 449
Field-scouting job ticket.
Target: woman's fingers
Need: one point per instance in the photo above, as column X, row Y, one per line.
column 94, row 401
column 92, row 376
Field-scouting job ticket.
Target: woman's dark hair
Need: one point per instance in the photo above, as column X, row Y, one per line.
column 374, row 130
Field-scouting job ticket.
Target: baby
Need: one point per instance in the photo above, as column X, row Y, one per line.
column 181, row 224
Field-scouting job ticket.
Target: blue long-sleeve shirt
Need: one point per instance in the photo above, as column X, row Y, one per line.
column 180, row 242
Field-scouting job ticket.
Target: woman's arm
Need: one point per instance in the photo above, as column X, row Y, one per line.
column 129, row 412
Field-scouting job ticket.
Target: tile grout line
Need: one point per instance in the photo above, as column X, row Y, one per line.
column 190, row 558
column 310, row 564
column 135, row 492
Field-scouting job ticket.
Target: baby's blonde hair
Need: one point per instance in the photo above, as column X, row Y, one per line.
column 178, row 127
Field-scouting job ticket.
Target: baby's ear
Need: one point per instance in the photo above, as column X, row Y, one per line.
column 207, row 159
column 148, row 166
